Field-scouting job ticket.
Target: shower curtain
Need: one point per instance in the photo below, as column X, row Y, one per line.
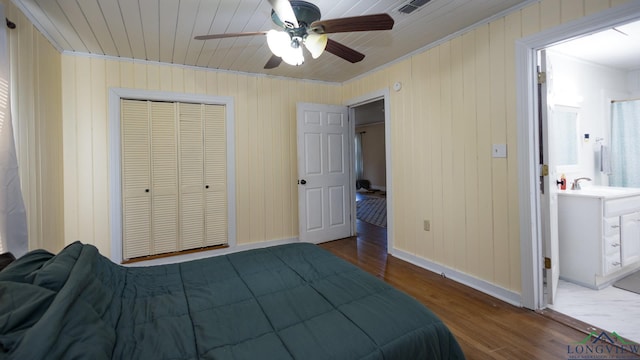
column 625, row 144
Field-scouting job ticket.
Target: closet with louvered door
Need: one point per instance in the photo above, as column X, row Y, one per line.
column 136, row 172
column 149, row 178
column 203, row 203
column 215, row 164
column 173, row 177
column 164, row 178
column 192, row 187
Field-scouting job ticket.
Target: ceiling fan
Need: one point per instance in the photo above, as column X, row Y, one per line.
column 301, row 24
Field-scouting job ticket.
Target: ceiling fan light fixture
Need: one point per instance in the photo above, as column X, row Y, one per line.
column 293, row 56
column 301, row 26
column 316, row 43
column 282, row 45
column 279, row 42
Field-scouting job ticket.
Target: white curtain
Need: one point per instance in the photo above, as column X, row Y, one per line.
column 13, row 218
column 359, row 158
column 625, row 144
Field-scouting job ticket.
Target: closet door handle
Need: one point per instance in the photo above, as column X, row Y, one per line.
column 146, row 190
column 206, row 186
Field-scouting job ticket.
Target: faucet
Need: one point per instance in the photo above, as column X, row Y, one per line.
column 576, row 183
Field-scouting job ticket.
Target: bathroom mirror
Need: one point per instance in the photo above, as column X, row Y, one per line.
column 566, row 136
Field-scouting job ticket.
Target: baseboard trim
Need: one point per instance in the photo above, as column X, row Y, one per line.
column 211, row 253
column 498, row 292
column 465, row 279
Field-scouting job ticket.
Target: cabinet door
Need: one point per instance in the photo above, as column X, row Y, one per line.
column 630, row 238
column 136, row 173
column 215, row 163
column 191, row 176
column 164, row 178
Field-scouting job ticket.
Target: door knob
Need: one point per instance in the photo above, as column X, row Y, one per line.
column 303, row 181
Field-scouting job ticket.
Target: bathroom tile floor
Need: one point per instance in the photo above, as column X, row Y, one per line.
column 610, row 308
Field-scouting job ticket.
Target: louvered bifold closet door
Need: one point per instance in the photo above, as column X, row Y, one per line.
column 164, row 178
column 191, row 155
column 174, row 173
column 136, row 171
column 215, row 165
column 149, row 178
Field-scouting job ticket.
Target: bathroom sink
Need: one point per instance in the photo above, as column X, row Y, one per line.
column 605, row 191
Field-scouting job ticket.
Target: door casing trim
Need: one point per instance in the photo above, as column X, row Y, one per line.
column 115, row 174
column 351, row 104
column 532, row 267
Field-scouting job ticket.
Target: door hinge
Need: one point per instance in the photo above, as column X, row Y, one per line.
column 547, row 263
column 542, row 77
column 544, row 170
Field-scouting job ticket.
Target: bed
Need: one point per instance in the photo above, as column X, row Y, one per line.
column 294, row 301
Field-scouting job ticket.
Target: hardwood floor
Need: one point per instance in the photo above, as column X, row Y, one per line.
column 485, row 327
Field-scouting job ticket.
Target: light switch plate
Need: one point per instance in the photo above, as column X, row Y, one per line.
column 499, row 151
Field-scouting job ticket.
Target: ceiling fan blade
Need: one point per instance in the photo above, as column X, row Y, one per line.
column 343, row 51
column 229, row 35
column 285, row 12
column 273, row 62
column 354, row 23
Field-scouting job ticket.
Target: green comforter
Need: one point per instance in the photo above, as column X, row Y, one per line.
column 292, row 301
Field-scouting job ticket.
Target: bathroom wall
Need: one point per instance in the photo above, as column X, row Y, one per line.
column 590, row 87
column 633, row 83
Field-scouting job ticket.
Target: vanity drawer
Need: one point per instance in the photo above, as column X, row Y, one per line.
column 612, row 244
column 611, row 225
column 621, row 206
column 612, row 262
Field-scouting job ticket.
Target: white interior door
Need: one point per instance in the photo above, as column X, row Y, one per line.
column 549, row 189
column 324, row 208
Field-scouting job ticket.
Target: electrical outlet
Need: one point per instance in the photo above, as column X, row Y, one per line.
column 427, row 225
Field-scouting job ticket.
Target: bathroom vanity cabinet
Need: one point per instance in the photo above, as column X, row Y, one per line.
column 630, row 233
column 598, row 234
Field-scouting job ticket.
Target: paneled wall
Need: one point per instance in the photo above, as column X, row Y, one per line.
column 373, row 154
column 265, row 118
column 457, row 99
column 37, row 114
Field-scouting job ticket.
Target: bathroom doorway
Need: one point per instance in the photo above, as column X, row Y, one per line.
column 589, row 132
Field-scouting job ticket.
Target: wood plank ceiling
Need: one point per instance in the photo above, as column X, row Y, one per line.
column 163, row 31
